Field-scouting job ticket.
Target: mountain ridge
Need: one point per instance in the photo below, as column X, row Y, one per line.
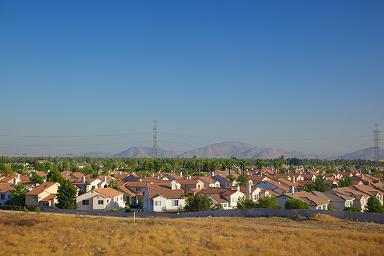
column 236, row 149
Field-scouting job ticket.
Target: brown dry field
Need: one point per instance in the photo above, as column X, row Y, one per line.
column 46, row 234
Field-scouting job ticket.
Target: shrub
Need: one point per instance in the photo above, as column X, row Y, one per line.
column 296, row 204
column 268, row 202
column 198, row 203
column 352, row 209
column 374, row 205
column 244, row 203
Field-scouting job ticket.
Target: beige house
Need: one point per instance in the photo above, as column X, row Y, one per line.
column 226, row 197
column 101, row 199
column 43, row 195
column 316, row 200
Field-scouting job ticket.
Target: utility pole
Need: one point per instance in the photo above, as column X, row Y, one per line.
column 154, row 145
column 376, row 142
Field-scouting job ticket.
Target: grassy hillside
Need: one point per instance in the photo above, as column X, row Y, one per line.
column 41, row 234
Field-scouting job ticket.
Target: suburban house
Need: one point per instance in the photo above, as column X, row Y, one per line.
column 230, row 195
column 131, row 177
column 5, row 192
column 209, row 182
column 223, row 180
column 370, row 191
column 275, row 186
column 315, row 200
column 43, row 195
column 251, row 192
column 361, row 193
column 190, row 184
column 339, row 201
column 101, row 199
column 161, row 198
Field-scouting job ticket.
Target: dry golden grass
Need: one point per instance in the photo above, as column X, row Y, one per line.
column 41, row 234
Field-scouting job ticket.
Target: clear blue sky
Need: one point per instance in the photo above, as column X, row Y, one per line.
column 297, row 75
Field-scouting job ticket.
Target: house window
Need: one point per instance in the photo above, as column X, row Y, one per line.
column 157, row 203
column 86, row 202
column 100, row 201
column 2, row 196
column 175, row 202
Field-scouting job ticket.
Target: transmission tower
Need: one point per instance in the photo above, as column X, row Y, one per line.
column 154, row 145
column 376, row 142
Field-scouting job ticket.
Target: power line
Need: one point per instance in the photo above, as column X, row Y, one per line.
column 75, row 136
column 376, row 142
column 154, row 135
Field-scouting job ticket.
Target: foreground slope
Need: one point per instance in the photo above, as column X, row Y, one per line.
column 42, row 234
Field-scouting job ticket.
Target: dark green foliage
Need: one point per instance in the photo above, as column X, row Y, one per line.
column 66, row 195
column 345, row 182
column 55, row 176
column 18, row 195
column 268, row 202
column 231, row 178
column 374, row 205
column 242, row 180
column 352, row 209
column 244, row 203
column 296, row 204
column 199, row 203
column 36, row 178
column 318, row 185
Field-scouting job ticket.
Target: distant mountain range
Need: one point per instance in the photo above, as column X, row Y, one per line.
column 364, row 154
column 217, row 150
column 233, row 149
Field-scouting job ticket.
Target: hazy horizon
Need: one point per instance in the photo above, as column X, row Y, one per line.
column 92, row 76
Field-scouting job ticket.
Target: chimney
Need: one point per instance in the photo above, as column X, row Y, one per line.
column 249, row 189
column 173, row 185
column 238, row 187
column 181, row 174
column 294, row 179
column 292, row 189
column 15, row 181
column 212, row 173
column 83, row 179
column 18, row 176
column 105, row 179
column 189, row 177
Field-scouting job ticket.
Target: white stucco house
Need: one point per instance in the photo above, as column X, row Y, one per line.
column 101, row 199
column 162, row 198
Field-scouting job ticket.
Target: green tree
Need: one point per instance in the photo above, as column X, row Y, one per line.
column 374, row 205
column 242, row 180
column 66, row 195
column 244, row 203
column 268, row 202
column 36, row 178
column 296, row 204
column 198, row 203
column 55, row 176
column 318, row 185
column 231, row 178
column 345, row 182
column 18, row 195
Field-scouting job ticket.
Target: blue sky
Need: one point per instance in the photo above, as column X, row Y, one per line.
column 297, row 75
